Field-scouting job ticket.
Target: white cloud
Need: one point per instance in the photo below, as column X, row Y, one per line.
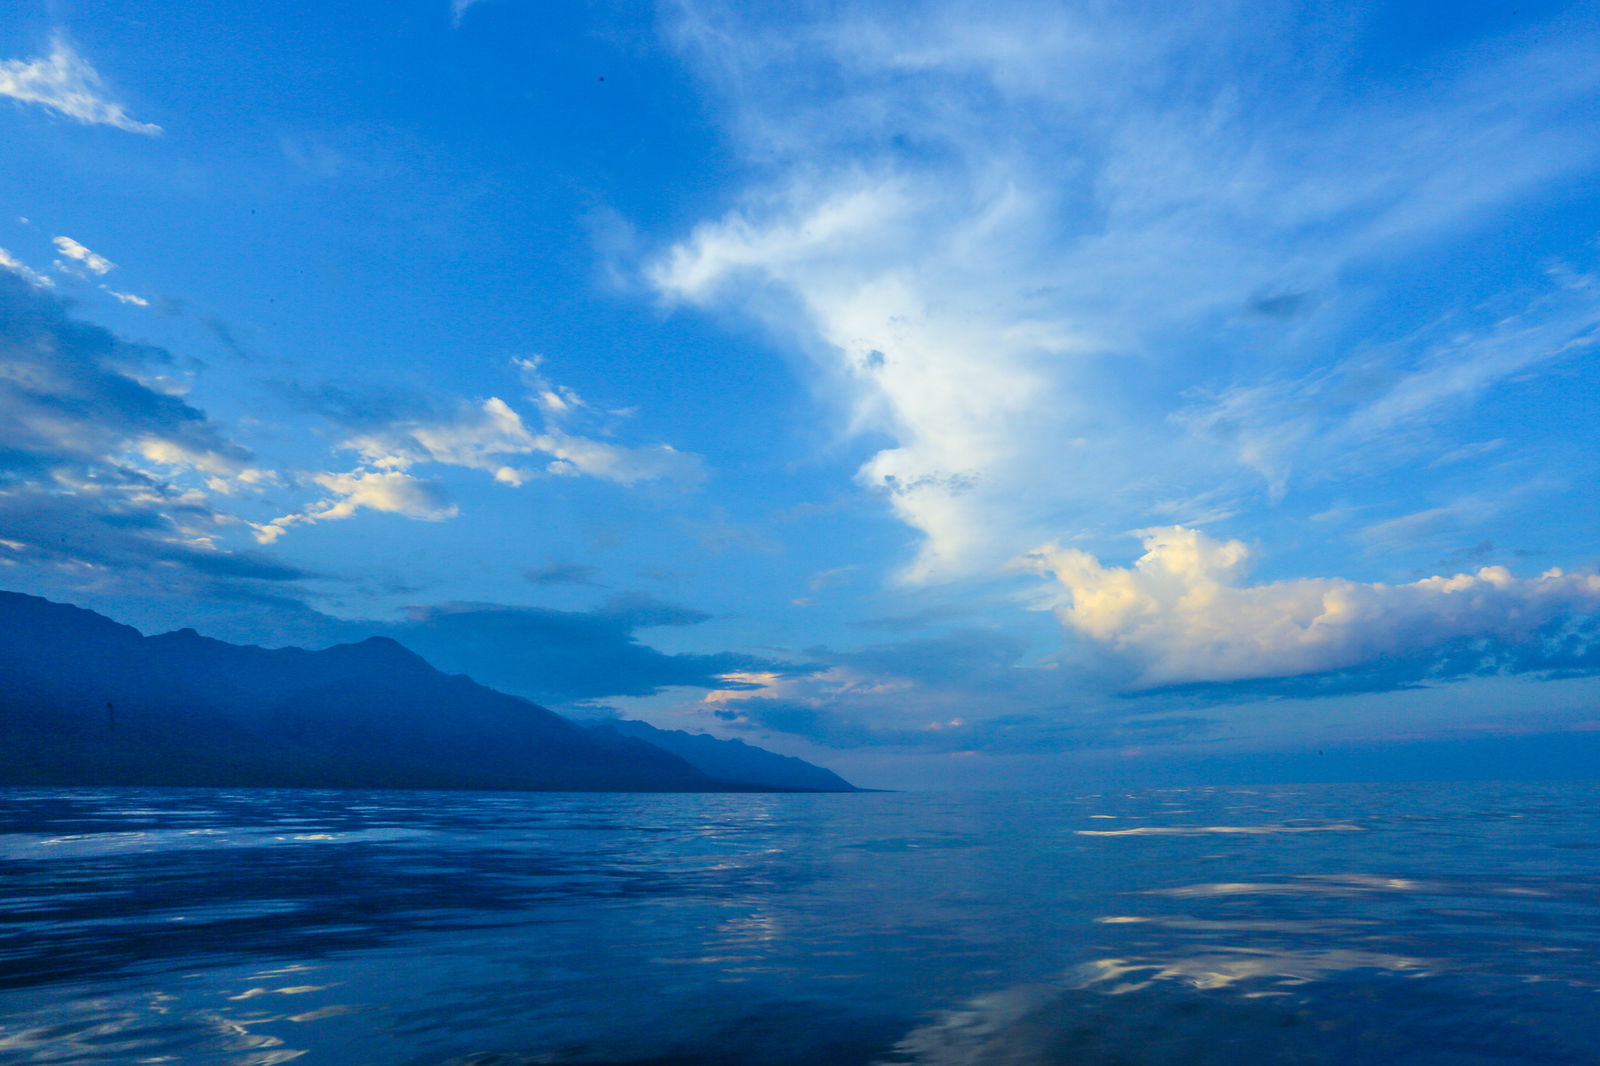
column 127, row 297
column 1181, row 612
column 838, row 577
column 480, row 438
column 493, row 436
column 389, row 491
column 24, row 271
column 69, row 86
column 626, row 466
column 1022, row 243
column 70, row 248
column 176, row 452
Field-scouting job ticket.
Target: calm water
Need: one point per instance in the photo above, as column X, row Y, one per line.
column 1426, row 924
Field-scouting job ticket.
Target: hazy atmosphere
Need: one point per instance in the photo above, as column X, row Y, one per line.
column 952, row 395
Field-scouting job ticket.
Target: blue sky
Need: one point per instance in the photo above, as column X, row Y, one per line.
column 974, row 394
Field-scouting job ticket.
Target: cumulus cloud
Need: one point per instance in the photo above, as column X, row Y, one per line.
column 65, row 83
column 1161, row 647
column 1062, row 257
column 1182, row 612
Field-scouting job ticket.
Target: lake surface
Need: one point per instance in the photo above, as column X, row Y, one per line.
column 1417, row 924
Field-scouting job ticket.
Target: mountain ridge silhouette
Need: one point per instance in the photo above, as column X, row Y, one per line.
column 85, row 700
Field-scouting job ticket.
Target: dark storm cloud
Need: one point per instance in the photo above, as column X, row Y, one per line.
column 559, row 656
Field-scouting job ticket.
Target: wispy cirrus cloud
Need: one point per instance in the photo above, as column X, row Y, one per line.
column 1383, row 403
column 1038, row 246
column 65, row 83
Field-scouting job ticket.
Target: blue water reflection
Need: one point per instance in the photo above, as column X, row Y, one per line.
column 1386, row 924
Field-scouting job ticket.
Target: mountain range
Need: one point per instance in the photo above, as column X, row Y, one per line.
column 85, row 700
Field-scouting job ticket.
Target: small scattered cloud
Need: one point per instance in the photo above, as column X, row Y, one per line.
column 65, row 83
column 719, row 534
column 1475, row 553
column 459, row 9
column 96, row 264
column 838, row 577
column 225, row 336
column 1280, row 304
column 640, row 610
column 908, row 623
column 314, row 157
column 127, row 297
column 562, row 574
column 666, row 573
